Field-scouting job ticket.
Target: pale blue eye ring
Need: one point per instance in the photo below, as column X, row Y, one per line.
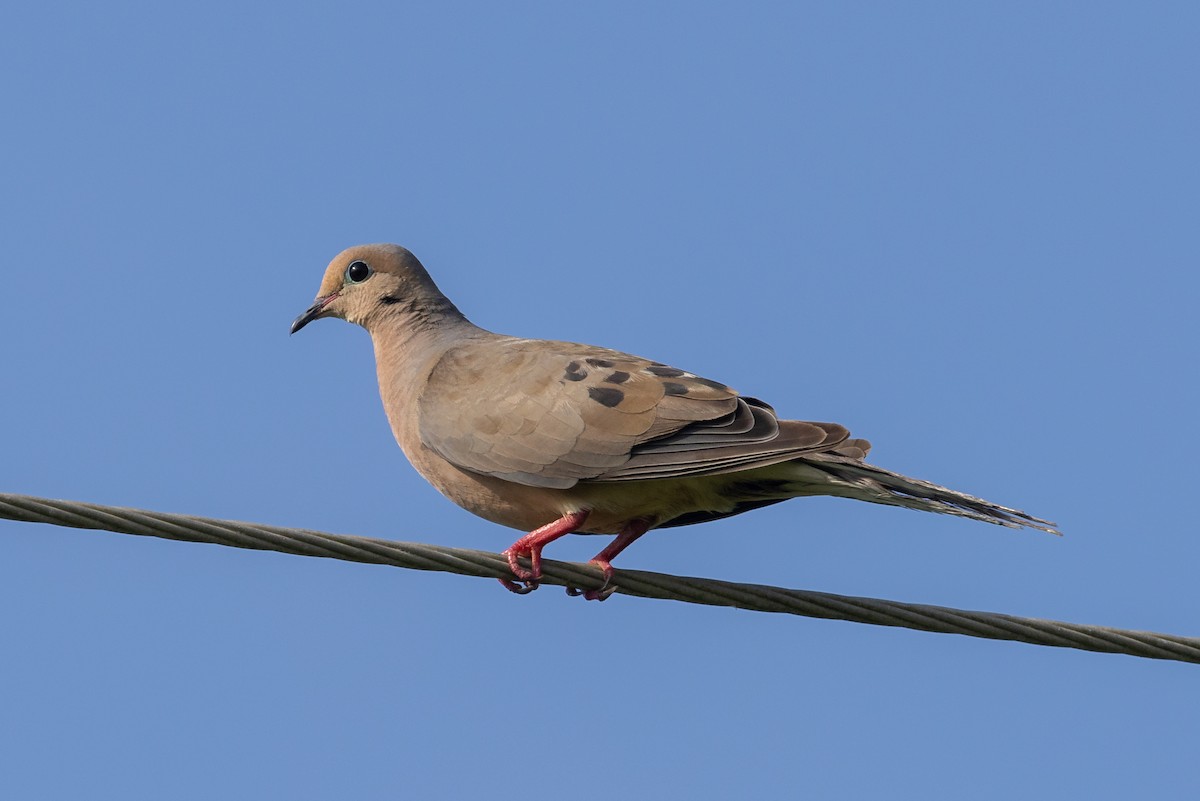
column 357, row 272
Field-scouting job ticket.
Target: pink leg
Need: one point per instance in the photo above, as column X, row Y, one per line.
column 633, row 529
column 531, row 545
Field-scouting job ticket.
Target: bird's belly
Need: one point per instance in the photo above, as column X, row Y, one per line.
column 611, row 505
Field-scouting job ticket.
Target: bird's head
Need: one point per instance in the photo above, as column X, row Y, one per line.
column 368, row 282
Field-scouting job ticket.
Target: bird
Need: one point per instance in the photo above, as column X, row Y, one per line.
column 554, row 438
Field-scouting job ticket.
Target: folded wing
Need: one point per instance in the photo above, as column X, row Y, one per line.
column 551, row 414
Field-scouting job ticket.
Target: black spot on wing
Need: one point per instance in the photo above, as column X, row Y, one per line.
column 717, row 385
column 674, row 388
column 606, row 396
column 575, row 372
column 663, row 371
column 599, row 362
column 619, row 377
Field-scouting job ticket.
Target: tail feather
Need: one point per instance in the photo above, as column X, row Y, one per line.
column 852, row 478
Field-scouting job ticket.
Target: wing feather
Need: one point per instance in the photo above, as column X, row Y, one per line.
column 551, row 414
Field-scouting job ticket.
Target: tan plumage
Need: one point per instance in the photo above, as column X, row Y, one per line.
column 538, row 434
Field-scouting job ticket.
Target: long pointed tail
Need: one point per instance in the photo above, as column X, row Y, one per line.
column 851, row 478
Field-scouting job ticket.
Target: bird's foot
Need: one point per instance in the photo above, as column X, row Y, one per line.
column 603, row 560
column 527, row 578
column 531, row 546
column 606, row 589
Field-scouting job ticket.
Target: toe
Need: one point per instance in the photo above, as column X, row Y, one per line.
column 515, row 566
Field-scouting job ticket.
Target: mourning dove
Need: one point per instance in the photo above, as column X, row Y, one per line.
column 556, row 438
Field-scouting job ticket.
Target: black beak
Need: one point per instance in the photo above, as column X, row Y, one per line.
column 313, row 312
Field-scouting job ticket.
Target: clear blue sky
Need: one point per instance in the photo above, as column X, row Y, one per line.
column 966, row 231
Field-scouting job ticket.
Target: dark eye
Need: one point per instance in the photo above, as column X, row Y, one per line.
column 357, row 272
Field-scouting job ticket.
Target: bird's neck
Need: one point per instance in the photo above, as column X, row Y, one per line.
column 407, row 345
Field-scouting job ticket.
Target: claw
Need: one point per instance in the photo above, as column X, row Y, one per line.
column 600, row 594
column 524, row 588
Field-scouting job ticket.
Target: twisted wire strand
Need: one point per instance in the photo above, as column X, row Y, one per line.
column 754, row 597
